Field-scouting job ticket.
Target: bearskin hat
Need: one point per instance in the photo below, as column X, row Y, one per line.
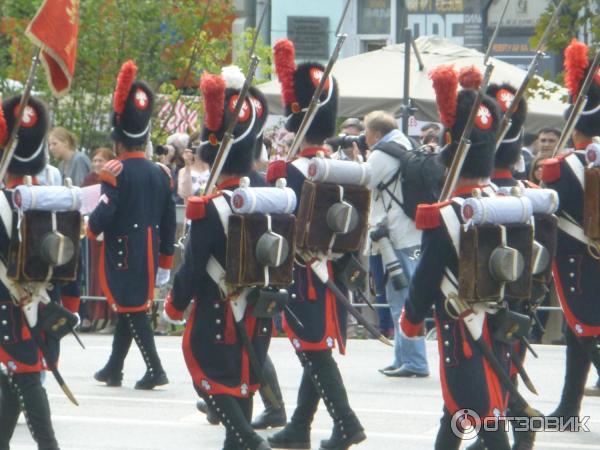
column 298, row 84
column 220, row 94
column 262, row 113
column 454, row 108
column 132, row 108
column 30, row 153
column 576, row 65
column 509, row 151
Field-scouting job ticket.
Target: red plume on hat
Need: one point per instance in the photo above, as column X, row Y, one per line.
column 445, row 85
column 470, row 77
column 213, row 91
column 284, row 55
column 3, row 128
column 576, row 64
column 124, row 81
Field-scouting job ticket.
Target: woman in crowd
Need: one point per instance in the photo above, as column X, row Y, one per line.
column 73, row 164
column 535, row 173
column 193, row 176
column 99, row 314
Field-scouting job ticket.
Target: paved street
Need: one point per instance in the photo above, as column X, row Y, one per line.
column 397, row 413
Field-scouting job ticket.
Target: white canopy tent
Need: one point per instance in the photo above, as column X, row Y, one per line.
column 375, row 80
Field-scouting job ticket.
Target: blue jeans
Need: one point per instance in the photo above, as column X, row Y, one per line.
column 409, row 354
column 378, row 273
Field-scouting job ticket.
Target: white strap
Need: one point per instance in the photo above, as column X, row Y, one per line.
column 577, row 168
column 452, row 224
column 6, row 214
column 224, row 210
column 573, row 229
column 217, row 273
column 302, row 165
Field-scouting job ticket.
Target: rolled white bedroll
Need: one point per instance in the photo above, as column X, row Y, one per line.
column 263, row 200
column 543, row 201
column 498, row 210
column 47, row 198
column 335, row 171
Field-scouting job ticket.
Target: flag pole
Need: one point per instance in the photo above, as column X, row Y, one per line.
column 9, row 148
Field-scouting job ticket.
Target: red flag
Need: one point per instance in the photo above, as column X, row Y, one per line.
column 54, row 29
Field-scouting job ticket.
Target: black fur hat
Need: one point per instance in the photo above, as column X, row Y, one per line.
column 509, row 151
column 220, row 94
column 30, row 155
column 133, row 102
column 454, row 112
column 298, row 86
column 576, row 65
column 262, row 113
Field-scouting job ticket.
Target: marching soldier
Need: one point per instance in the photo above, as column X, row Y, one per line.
column 21, row 360
column 577, row 276
column 214, row 353
column 136, row 217
column 323, row 318
column 467, row 382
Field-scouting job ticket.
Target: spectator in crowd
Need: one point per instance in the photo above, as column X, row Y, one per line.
column 73, row 164
column 342, row 148
column 410, row 359
column 351, row 127
column 193, row 176
column 50, row 175
column 535, row 172
column 176, row 144
column 547, row 139
column 99, row 315
column 431, row 142
column 430, row 128
column 528, row 152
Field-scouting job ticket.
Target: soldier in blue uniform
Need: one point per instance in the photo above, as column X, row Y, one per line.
column 21, row 361
column 467, row 381
column 577, row 274
column 136, row 217
column 317, row 308
column 216, row 359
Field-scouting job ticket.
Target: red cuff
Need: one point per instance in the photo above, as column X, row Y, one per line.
column 408, row 328
column 165, row 261
column 71, row 303
column 174, row 314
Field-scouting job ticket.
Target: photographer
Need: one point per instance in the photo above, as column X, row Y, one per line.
column 350, row 144
column 394, row 237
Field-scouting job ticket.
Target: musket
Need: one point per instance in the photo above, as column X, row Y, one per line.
column 11, row 145
column 228, row 137
column 539, row 53
column 464, row 143
column 320, row 269
column 313, row 106
column 578, row 106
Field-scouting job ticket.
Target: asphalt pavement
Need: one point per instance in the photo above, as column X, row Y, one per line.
column 397, row 413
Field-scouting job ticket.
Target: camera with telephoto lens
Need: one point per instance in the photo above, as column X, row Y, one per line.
column 346, row 141
column 392, row 265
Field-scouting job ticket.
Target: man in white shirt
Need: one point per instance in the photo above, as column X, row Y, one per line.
column 410, row 359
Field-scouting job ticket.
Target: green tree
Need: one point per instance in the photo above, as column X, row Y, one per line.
column 171, row 41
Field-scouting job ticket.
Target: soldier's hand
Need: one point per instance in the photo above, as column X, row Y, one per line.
column 167, row 319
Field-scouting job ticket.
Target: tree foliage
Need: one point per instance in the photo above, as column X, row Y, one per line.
column 171, row 41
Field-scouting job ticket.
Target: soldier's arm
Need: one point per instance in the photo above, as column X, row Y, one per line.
column 425, row 284
column 199, row 248
column 105, row 212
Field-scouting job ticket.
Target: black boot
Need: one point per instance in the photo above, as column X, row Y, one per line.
column 235, row 414
column 35, row 407
column 271, row 417
column 112, row 372
column 296, row 434
column 347, row 429
column 578, row 366
column 211, row 416
column 139, row 326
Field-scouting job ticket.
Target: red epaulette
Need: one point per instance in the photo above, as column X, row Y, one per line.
column 428, row 216
column 166, row 170
column 111, row 170
column 196, row 206
column 277, row 169
column 551, row 169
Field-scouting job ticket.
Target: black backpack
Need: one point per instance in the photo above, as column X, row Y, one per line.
column 421, row 176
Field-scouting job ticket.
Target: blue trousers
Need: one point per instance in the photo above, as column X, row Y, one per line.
column 378, row 273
